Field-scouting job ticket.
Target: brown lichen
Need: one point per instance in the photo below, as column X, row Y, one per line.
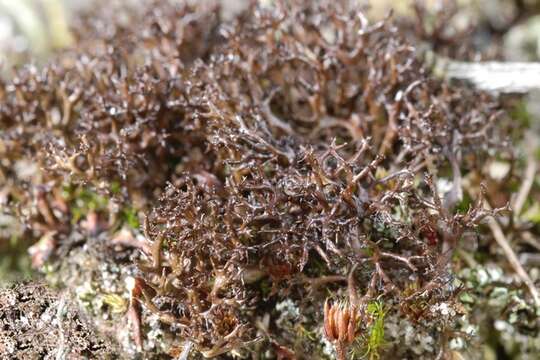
column 282, row 151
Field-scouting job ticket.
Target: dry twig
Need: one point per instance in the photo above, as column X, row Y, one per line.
column 512, row 258
column 528, row 181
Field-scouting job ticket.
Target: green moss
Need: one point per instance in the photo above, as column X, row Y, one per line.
column 521, row 114
column 115, row 187
column 305, row 334
column 130, row 217
column 117, row 304
column 466, row 298
column 532, row 214
column 371, row 344
column 376, row 333
column 466, row 202
column 266, row 287
column 82, row 200
column 15, row 263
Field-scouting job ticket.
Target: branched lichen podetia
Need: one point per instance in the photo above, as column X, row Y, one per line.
column 290, row 156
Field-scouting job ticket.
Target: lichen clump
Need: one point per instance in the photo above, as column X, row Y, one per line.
column 294, row 153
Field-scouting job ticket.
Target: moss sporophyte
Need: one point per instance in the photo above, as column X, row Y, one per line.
column 341, row 325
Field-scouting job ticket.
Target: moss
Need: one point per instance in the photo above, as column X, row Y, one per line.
column 83, row 200
column 375, row 340
column 130, row 217
column 521, row 114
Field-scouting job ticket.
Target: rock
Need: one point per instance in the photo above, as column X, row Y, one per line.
column 38, row 322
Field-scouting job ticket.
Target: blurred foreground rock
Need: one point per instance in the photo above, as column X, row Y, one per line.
column 39, row 323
